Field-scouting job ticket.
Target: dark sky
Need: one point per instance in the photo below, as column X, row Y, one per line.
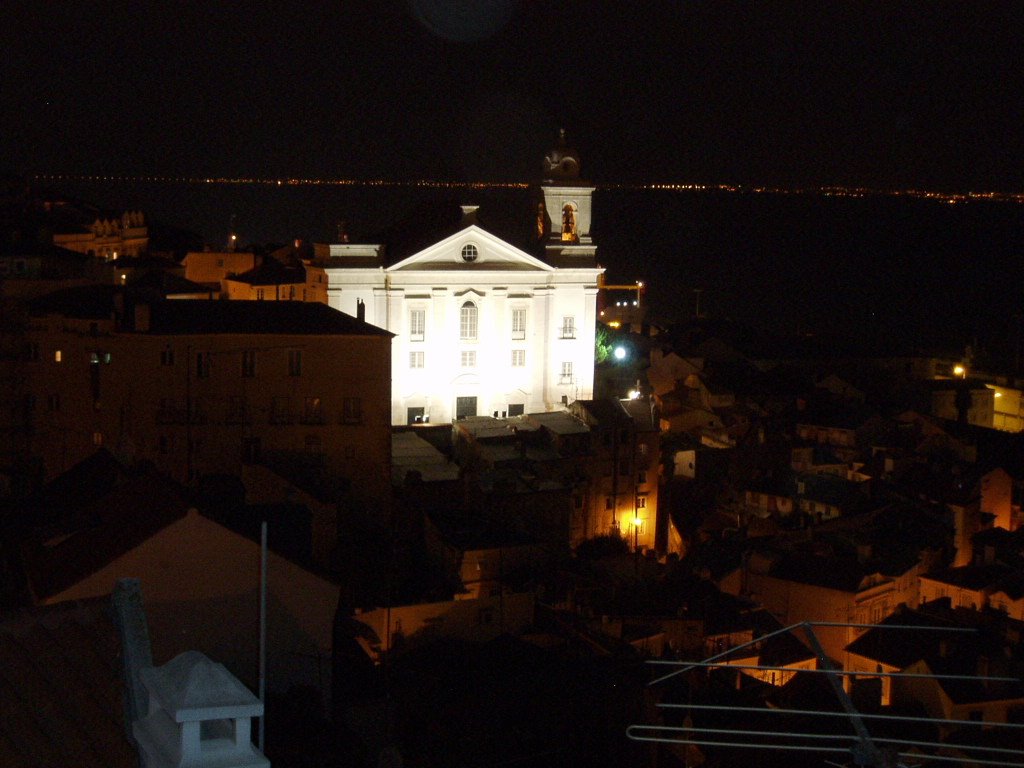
column 918, row 94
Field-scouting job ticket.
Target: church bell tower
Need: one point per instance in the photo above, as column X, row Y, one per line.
column 563, row 218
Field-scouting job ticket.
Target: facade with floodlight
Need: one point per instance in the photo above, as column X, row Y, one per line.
column 484, row 327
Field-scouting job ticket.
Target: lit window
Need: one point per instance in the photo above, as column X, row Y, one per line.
column 294, row 362
column 469, row 359
column 97, row 438
column 351, row 410
column 248, row 363
column 518, row 323
column 566, row 375
column 415, row 359
column 518, row 358
column 417, row 324
column 569, row 224
column 469, row 252
column 568, row 328
column 57, row 356
column 468, row 316
column 641, row 502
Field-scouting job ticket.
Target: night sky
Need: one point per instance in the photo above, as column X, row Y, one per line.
column 909, row 94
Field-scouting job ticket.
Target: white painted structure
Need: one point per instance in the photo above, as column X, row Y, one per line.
column 199, row 716
column 482, row 326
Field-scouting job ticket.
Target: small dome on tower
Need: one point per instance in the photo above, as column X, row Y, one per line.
column 562, row 162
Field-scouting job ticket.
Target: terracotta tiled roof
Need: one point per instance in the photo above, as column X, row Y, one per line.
column 61, row 690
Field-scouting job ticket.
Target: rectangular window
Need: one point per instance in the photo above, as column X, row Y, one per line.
column 416, row 415
column 167, row 356
column 415, row 359
column 97, row 438
column 516, row 409
column 259, row 294
column 53, row 403
column 641, row 476
column 609, row 503
column 566, row 375
column 294, row 362
column 31, row 353
column 312, row 411
column 641, row 502
column 281, row 410
column 465, row 407
column 250, row 449
column 238, row 410
column 314, row 444
column 469, row 359
column 568, row 327
column 57, row 356
column 352, row 410
column 518, row 324
column 248, row 363
column 518, row 358
column 417, row 324
column 468, row 316
column 202, row 365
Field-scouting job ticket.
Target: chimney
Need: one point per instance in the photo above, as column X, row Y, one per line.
column 199, row 715
column 136, row 653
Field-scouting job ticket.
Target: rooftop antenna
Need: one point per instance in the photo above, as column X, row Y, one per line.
column 864, row 750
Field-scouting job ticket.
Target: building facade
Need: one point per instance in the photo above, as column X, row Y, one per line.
column 483, row 326
column 201, row 387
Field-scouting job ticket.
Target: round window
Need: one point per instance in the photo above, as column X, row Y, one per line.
column 469, row 252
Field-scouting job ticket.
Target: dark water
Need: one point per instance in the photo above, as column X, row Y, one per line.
column 917, row 271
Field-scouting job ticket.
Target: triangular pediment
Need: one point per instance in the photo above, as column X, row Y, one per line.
column 471, row 249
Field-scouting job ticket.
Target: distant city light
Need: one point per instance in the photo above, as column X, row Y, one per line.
column 951, row 198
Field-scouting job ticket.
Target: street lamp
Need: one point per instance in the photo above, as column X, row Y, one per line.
column 620, row 353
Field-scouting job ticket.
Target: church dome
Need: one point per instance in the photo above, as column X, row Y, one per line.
column 562, row 162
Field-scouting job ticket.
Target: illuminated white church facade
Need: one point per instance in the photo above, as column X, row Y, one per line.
column 484, row 327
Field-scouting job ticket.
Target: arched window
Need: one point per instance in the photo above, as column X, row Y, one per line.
column 468, row 316
column 569, row 223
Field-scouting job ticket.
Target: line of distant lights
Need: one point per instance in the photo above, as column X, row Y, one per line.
column 951, row 198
